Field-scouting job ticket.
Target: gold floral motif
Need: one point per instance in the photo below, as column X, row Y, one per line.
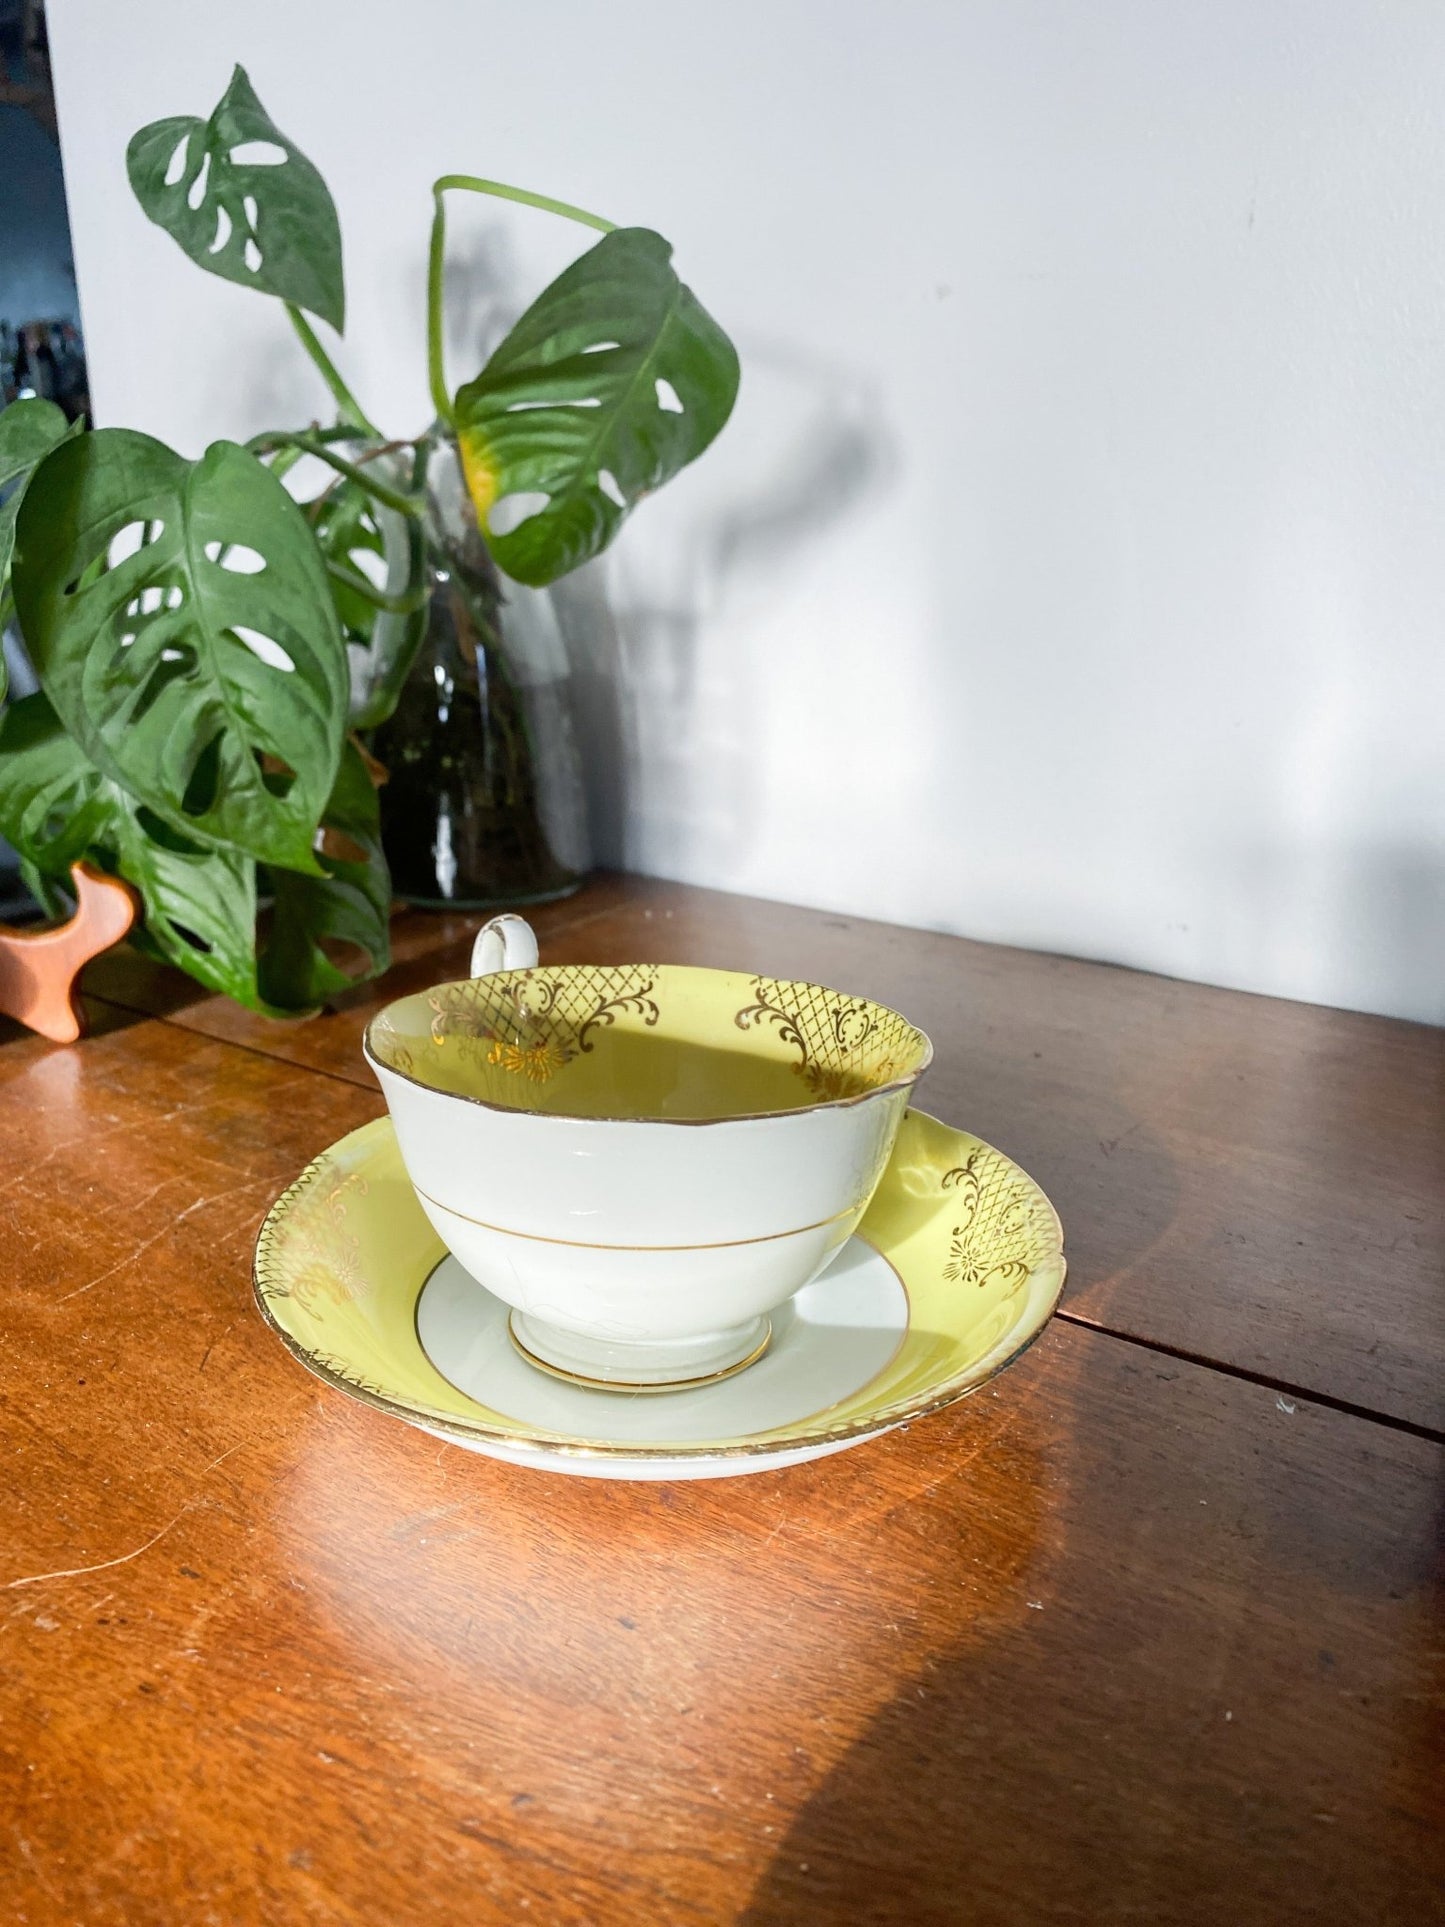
column 532, row 1023
column 1000, row 1234
column 846, row 1046
column 537, row 1062
column 831, row 1081
column 318, row 1251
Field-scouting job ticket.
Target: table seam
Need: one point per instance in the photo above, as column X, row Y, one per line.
column 1433, row 1435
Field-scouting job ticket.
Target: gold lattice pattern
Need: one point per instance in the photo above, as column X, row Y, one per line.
column 532, row 1022
column 845, row 1044
column 1003, row 1226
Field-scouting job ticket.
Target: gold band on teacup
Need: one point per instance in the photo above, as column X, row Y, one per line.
column 582, row 1244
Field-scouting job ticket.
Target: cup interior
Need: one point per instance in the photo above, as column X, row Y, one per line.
column 666, row 1042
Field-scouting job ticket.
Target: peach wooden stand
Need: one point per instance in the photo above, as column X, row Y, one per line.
column 39, row 969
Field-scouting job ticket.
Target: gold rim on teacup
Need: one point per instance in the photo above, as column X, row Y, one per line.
column 394, row 1054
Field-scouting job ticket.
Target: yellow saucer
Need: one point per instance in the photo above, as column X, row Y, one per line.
column 954, row 1270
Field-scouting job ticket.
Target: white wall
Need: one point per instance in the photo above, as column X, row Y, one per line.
column 1073, row 570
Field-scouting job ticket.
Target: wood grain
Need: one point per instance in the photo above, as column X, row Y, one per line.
column 1248, row 1181
column 1123, row 1638
column 1118, row 1639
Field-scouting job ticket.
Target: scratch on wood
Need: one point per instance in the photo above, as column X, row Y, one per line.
column 120, row 1264
column 76, row 1572
column 131, row 1205
column 129, row 1259
column 413, row 1523
column 224, row 1456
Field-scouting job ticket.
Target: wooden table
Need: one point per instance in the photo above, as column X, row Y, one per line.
column 1148, row 1631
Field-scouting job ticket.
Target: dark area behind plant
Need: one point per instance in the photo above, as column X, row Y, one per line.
column 208, row 647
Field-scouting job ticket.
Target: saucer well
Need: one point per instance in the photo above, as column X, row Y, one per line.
column 952, row 1273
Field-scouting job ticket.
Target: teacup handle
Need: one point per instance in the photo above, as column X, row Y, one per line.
column 506, row 943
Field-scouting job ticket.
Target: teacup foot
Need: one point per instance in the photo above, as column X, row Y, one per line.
column 662, row 1367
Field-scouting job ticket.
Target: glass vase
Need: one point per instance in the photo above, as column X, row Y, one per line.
column 483, row 803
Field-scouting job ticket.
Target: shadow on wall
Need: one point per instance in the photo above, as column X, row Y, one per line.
column 1388, row 916
column 813, row 451
column 1363, row 928
column 281, row 386
column 484, row 298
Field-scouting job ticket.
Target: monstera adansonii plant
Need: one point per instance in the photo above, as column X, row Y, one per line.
column 207, row 645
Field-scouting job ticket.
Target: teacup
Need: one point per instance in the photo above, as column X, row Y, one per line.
column 643, row 1160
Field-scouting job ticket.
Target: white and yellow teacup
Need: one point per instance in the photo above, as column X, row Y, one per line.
column 644, row 1161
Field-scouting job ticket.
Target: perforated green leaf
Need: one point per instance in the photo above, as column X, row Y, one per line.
column 359, row 535
column 204, row 671
column 55, row 807
column 28, row 431
column 243, row 201
column 614, row 379
column 350, row 905
column 51, row 801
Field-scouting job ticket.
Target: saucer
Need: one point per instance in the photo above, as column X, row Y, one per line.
column 952, row 1273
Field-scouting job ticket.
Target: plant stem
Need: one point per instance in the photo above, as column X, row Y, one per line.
column 285, row 460
column 348, row 404
column 340, row 432
column 471, row 184
column 436, row 262
column 396, row 605
column 441, row 401
column 313, row 445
